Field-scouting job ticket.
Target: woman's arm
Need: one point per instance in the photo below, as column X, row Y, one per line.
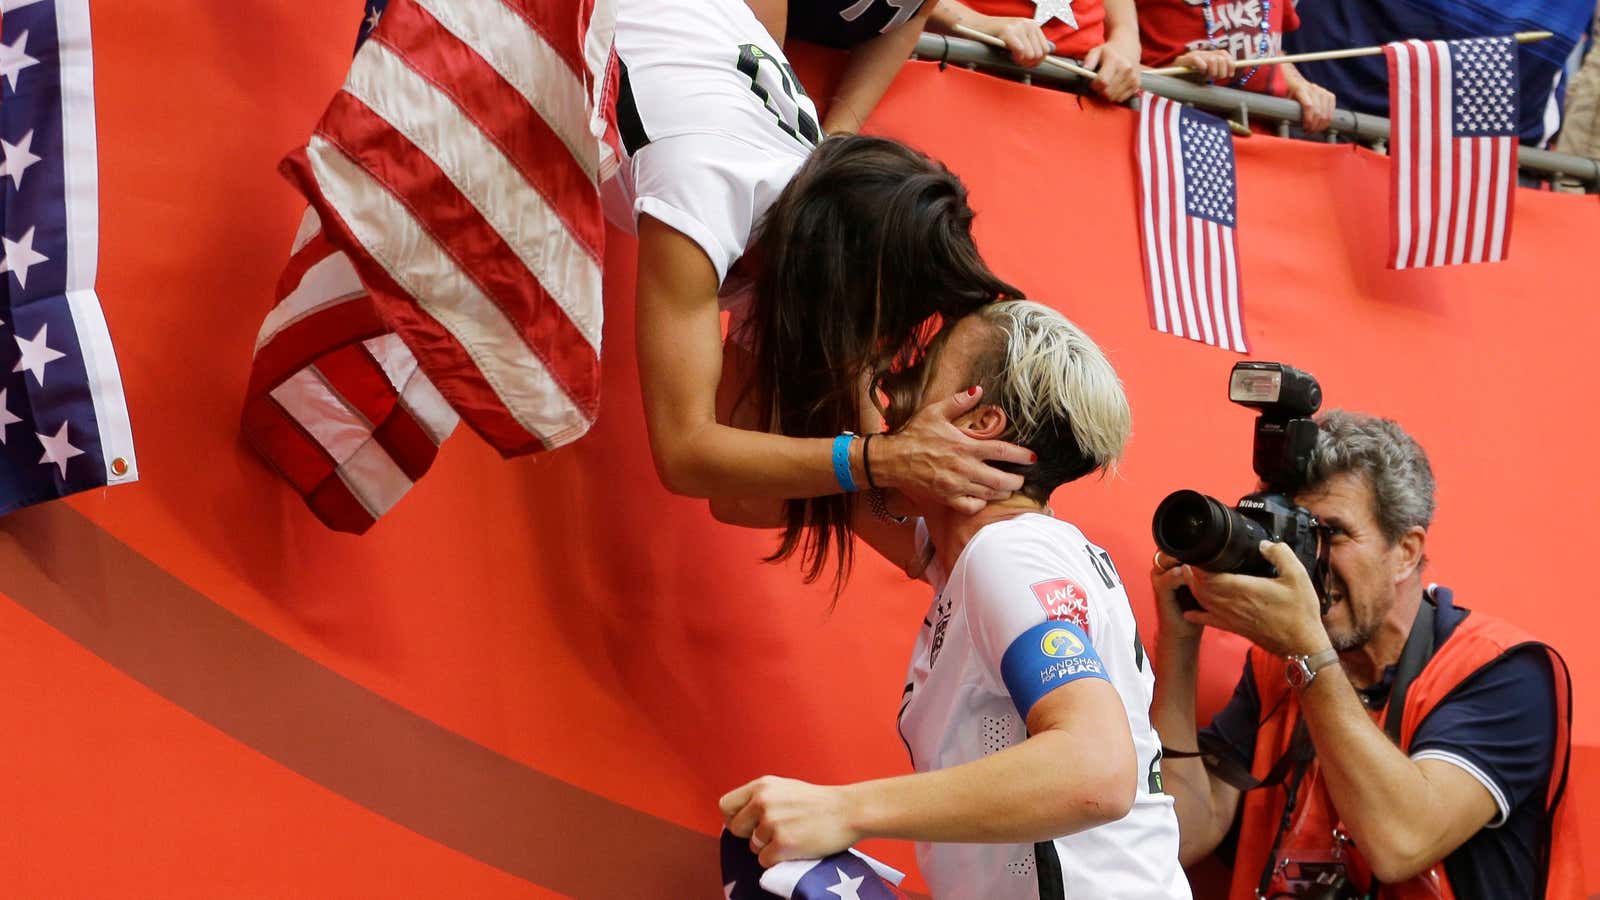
column 1316, row 102
column 679, row 336
column 1116, row 61
column 894, row 541
column 1076, row 770
column 1023, row 37
column 773, row 16
column 867, row 74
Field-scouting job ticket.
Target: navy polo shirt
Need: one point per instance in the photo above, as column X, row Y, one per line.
column 1499, row 725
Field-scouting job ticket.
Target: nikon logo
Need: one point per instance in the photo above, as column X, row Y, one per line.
column 1252, row 504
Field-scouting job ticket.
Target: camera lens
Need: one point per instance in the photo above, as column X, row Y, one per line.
column 1201, row 531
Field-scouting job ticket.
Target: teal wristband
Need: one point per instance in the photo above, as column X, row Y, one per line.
column 841, row 463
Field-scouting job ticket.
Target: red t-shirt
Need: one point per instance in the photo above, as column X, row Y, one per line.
column 1170, row 28
column 1074, row 43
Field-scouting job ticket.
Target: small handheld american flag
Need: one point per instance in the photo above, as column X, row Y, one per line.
column 846, row 875
column 1188, row 219
column 1453, row 108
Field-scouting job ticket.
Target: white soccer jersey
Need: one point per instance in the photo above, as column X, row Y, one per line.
column 1022, row 599
column 712, row 116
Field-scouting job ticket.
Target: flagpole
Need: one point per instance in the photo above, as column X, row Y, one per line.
column 1521, row 37
column 986, row 38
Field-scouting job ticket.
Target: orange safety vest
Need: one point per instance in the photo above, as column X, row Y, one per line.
column 1315, row 833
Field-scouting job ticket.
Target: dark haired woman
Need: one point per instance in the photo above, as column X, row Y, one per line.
column 856, row 253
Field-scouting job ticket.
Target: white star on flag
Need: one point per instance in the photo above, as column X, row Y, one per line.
column 1045, row 10
column 848, row 888
column 372, row 19
column 57, row 450
column 14, row 58
column 727, row 890
column 35, row 355
column 6, row 416
column 19, row 157
column 20, row 256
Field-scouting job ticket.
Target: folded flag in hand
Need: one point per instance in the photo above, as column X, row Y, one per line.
column 847, row 875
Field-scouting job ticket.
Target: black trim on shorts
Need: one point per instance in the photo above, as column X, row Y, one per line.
column 1047, row 864
column 629, row 125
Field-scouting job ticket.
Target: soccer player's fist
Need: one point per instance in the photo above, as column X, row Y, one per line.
column 786, row 819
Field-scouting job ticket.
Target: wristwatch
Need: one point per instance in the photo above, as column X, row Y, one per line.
column 1302, row 669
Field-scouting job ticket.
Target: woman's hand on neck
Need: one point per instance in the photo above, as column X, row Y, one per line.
column 950, row 530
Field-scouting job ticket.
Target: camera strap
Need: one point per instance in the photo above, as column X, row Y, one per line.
column 1289, row 770
column 1419, row 648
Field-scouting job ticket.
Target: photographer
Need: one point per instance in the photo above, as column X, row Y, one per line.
column 1454, row 794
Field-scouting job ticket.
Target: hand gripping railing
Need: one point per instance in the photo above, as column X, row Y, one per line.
column 1240, row 106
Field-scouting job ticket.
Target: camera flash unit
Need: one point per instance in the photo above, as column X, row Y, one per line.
column 1274, row 387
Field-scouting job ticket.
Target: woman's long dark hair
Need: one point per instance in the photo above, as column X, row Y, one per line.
column 864, row 252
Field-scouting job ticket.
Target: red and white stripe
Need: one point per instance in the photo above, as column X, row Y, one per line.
column 336, row 402
column 1191, row 263
column 452, row 256
column 1451, row 197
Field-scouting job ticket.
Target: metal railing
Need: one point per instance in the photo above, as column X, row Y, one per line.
column 1242, row 107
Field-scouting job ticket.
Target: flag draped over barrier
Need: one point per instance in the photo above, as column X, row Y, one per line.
column 450, row 261
column 63, row 419
column 1188, row 219
column 1453, row 150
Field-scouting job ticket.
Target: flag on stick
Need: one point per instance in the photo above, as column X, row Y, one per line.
column 1453, row 150
column 450, row 261
column 1188, row 219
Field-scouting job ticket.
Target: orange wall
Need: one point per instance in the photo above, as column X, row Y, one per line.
column 568, row 615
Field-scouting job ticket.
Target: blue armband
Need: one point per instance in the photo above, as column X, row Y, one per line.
column 841, row 463
column 1044, row 658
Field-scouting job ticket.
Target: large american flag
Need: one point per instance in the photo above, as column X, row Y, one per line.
column 1188, row 219
column 63, row 420
column 450, row 260
column 1453, row 150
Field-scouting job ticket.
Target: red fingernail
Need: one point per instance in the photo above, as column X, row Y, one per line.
column 1033, row 457
column 972, row 390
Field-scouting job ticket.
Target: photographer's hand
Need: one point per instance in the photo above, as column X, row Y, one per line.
column 1281, row 615
column 1166, row 576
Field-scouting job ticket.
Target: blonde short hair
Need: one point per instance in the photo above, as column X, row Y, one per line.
column 1060, row 393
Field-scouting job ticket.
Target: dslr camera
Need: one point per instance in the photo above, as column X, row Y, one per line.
column 1203, row 532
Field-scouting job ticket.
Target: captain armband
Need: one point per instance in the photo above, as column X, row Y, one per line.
column 1045, row 657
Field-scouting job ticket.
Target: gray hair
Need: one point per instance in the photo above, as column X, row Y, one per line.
column 1391, row 461
column 1053, row 381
